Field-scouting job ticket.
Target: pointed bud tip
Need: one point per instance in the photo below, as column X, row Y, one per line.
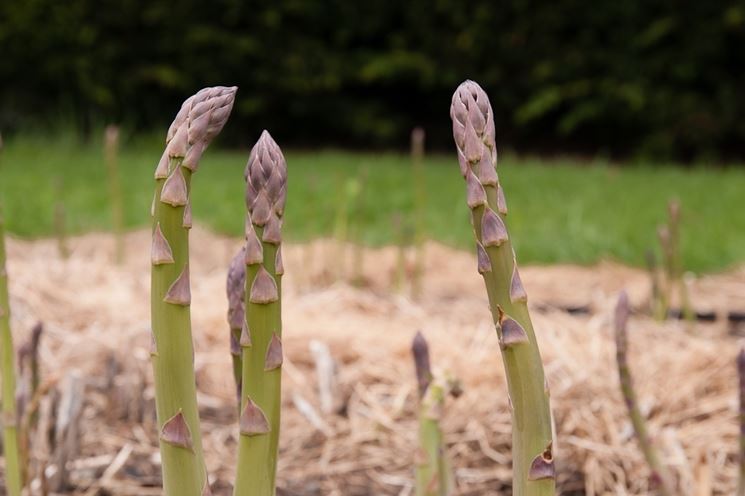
column 253, row 421
column 274, row 356
column 176, row 432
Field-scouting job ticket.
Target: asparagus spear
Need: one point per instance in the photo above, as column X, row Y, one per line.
column 237, row 313
column 658, row 472
column 13, row 480
column 474, row 133
column 200, row 119
column 433, row 473
column 261, row 340
column 741, row 374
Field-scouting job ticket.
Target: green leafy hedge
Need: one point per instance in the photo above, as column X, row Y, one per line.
column 666, row 78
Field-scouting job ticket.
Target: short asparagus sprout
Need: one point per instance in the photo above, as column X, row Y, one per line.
column 659, row 473
column 11, row 448
column 532, row 440
column 433, row 472
column 741, row 375
column 200, row 119
column 261, row 338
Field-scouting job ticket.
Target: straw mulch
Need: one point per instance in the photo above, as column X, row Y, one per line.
column 96, row 316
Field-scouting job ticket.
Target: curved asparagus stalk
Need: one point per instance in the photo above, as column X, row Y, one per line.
column 200, row 119
column 473, row 130
column 261, row 339
column 433, row 473
column 741, row 374
column 658, row 472
column 237, row 313
column 13, row 478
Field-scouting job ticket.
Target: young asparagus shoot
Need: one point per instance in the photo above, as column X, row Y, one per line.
column 659, row 473
column 741, row 376
column 29, row 377
column 237, row 314
column 111, row 152
column 433, row 472
column 474, row 133
column 11, row 449
column 200, row 119
column 261, row 340
column 420, row 208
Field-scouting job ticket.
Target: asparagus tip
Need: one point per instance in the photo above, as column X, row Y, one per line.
column 623, row 310
column 420, row 350
column 266, row 175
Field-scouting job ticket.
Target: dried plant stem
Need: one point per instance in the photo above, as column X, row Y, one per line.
column 474, row 133
column 60, row 218
column 658, row 305
column 261, row 337
column 13, row 476
column 658, row 471
column 201, row 117
column 111, row 151
column 741, row 375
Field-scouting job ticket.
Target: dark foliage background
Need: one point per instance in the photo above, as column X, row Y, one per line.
column 665, row 78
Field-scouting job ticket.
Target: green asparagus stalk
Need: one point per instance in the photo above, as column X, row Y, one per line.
column 261, row 339
column 13, row 476
column 474, row 133
column 237, row 314
column 420, row 201
column 433, row 472
column 741, row 374
column 111, row 150
column 659, row 473
column 200, row 119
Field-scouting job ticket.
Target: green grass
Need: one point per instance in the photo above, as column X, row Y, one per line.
column 560, row 210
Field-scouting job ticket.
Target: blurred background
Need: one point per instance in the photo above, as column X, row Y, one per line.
column 625, row 104
column 621, row 79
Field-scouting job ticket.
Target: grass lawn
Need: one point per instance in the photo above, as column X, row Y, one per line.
column 560, row 210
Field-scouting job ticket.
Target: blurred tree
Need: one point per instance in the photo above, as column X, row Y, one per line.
column 656, row 77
